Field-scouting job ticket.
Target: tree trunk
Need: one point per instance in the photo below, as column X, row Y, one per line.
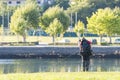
column 53, row 39
column 110, row 39
column 24, row 35
column 78, row 36
column 34, row 33
column 100, row 39
column 24, row 38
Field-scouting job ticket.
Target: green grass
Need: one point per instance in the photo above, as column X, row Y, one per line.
column 62, row 76
column 39, row 38
column 73, row 40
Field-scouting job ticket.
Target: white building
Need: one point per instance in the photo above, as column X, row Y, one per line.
column 19, row 2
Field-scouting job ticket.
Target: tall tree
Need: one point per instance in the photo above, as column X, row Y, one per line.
column 53, row 13
column 116, row 11
column 55, row 28
column 111, row 22
column 26, row 17
column 104, row 21
column 3, row 10
column 79, row 28
column 85, row 8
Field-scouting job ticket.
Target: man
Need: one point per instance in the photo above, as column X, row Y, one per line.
column 85, row 50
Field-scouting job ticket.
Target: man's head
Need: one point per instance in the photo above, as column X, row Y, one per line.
column 83, row 38
column 79, row 40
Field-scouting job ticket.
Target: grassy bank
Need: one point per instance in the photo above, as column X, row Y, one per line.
column 5, row 40
column 62, row 76
column 46, row 39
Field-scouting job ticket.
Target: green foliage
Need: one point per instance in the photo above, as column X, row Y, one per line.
column 79, row 27
column 116, row 11
column 3, row 7
column 104, row 21
column 5, row 12
column 62, row 3
column 51, row 14
column 110, row 22
column 104, row 43
column 24, row 18
column 20, row 26
column 85, row 8
column 30, row 12
column 55, row 28
column 95, row 24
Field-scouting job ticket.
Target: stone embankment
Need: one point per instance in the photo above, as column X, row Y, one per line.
column 56, row 52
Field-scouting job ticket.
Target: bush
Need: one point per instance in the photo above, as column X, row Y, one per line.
column 104, row 43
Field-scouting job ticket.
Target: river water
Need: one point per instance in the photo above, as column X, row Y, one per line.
column 56, row 65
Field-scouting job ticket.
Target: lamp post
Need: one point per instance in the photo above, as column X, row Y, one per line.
column 3, row 21
column 71, row 21
column 75, row 17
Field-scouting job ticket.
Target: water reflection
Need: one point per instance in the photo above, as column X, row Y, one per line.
column 55, row 65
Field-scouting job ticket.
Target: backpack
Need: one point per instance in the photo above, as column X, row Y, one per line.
column 86, row 48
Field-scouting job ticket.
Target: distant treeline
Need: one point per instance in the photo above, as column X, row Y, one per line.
column 84, row 8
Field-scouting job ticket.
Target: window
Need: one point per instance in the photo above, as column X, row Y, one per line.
column 18, row 2
column 38, row 2
column 10, row 2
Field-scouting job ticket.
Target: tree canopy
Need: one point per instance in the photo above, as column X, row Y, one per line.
column 62, row 3
column 24, row 18
column 55, row 28
column 104, row 21
column 52, row 13
column 85, row 8
column 79, row 28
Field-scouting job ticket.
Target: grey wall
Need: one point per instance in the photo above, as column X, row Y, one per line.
column 57, row 50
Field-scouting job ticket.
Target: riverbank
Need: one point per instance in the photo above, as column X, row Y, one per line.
column 56, row 52
column 62, row 76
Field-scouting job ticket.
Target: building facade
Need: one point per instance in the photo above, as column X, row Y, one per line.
column 19, row 2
